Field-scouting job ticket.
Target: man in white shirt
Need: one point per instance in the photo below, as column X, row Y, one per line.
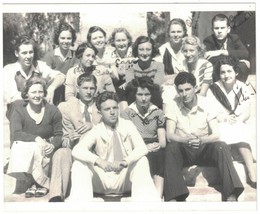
column 110, row 159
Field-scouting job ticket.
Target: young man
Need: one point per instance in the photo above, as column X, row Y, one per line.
column 222, row 43
column 78, row 117
column 188, row 120
column 110, row 159
column 16, row 74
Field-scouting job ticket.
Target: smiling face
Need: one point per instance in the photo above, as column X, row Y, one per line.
column 176, row 33
column 109, row 111
column 221, row 29
column 65, row 40
column 121, row 42
column 35, row 94
column 98, row 40
column 144, row 51
column 25, row 55
column 88, row 57
column 191, row 53
column 227, row 74
column 143, row 97
column 86, row 91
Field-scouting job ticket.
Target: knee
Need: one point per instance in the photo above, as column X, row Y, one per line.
column 220, row 145
column 171, row 148
column 62, row 154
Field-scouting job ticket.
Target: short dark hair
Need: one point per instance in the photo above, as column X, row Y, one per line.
column 143, row 39
column 185, row 77
column 24, row 40
column 103, row 97
column 220, row 17
column 64, row 26
column 92, row 30
column 177, row 21
column 86, row 78
column 82, row 47
column 144, row 82
column 120, row 30
column 32, row 81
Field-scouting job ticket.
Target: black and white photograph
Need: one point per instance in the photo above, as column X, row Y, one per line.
column 127, row 106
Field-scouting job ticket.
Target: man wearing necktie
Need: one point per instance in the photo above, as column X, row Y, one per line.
column 110, row 159
column 78, row 117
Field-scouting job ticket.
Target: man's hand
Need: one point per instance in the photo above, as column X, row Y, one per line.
column 194, row 142
column 48, row 149
column 84, row 128
column 119, row 165
column 50, row 95
column 210, row 54
column 105, row 165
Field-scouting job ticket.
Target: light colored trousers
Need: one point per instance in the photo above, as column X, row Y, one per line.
column 87, row 179
column 60, row 175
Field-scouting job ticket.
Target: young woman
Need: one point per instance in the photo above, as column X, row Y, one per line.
column 36, row 132
column 194, row 63
column 144, row 49
column 231, row 97
column 122, row 59
column 86, row 54
column 62, row 58
column 150, row 123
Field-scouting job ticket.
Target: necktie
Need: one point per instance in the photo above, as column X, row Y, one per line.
column 86, row 114
column 118, row 155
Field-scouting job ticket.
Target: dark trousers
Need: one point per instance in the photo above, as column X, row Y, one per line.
column 179, row 155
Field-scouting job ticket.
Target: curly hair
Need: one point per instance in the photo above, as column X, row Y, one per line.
column 63, row 26
column 94, row 29
column 195, row 41
column 185, row 77
column 120, row 30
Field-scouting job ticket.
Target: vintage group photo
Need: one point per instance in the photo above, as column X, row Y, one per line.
column 143, row 103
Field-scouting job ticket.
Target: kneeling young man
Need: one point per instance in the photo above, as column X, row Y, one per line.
column 110, row 159
column 192, row 133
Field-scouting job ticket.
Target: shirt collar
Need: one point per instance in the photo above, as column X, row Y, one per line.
column 198, row 106
column 19, row 68
column 150, row 109
column 57, row 52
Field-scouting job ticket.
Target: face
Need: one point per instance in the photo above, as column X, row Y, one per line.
column 98, row 40
column 65, row 40
column 35, row 94
column 187, row 92
column 86, row 91
column 227, row 74
column 143, row 97
column 220, row 29
column 121, row 41
column 176, row 33
column 145, row 51
column 88, row 57
column 191, row 53
column 25, row 55
column 109, row 111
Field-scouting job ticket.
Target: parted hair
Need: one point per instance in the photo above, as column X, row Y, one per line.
column 141, row 40
column 220, row 17
column 86, row 78
column 82, row 47
column 32, row 81
column 94, row 29
column 195, row 41
column 178, row 21
column 104, row 96
column 120, row 30
column 63, row 26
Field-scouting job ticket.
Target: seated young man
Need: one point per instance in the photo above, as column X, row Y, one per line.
column 189, row 118
column 110, row 158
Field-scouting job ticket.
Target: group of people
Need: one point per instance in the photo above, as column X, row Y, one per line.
column 126, row 117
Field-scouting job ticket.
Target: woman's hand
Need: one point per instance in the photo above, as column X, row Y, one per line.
column 231, row 119
column 153, row 147
column 48, row 149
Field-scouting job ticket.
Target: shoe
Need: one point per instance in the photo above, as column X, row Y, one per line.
column 30, row 192
column 253, row 184
column 231, row 198
column 56, row 199
column 41, row 191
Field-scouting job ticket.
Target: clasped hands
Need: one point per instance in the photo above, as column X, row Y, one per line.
column 107, row 166
column 153, row 147
column 194, row 141
column 46, row 148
